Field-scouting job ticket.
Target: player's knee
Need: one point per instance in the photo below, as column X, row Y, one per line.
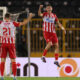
column 13, row 60
column 3, row 59
column 50, row 43
column 57, row 46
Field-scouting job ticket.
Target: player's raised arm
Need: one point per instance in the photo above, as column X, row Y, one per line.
column 39, row 11
column 27, row 20
column 60, row 25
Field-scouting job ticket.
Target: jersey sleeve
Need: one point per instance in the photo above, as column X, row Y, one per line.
column 44, row 14
column 16, row 24
column 56, row 18
column 0, row 22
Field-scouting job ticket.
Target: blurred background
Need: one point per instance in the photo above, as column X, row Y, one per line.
column 68, row 12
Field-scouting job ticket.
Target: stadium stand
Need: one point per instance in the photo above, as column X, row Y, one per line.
column 63, row 8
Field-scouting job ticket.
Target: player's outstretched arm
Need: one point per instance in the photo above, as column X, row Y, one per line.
column 27, row 20
column 39, row 11
column 60, row 25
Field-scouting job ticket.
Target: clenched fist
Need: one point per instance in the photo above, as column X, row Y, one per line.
column 31, row 15
column 41, row 6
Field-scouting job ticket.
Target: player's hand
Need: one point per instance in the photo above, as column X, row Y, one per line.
column 41, row 6
column 65, row 31
column 31, row 15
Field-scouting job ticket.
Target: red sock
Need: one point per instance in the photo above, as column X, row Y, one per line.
column 14, row 68
column 45, row 52
column 2, row 68
column 56, row 56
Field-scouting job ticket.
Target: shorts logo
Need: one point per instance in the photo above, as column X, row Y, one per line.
column 68, row 68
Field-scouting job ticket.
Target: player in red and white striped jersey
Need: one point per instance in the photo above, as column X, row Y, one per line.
column 49, row 32
column 7, row 40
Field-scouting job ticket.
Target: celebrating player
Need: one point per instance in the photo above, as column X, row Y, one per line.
column 49, row 32
column 7, row 37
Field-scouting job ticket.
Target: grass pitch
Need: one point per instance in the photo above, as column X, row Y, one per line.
column 45, row 78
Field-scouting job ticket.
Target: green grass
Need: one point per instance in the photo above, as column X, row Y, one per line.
column 44, row 78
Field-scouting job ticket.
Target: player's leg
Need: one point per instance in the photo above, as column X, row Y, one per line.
column 2, row 67
column 47, row 36
column 3, row 59
column 14, row 68
column 12, row 55
column 49, row 44
column 54, row 40
column 56, row 54
column 0, row 58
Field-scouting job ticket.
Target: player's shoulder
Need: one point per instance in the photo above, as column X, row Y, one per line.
column 54, row 14
column 45, row 12
column 1, row 22
column 14, row 22
column 17, row 24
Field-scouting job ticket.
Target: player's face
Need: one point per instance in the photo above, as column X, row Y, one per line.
column 49, row 8
column 8, row 19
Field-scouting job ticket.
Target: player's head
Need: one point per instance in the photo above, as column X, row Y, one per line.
column 7, row 16
column 49, row 8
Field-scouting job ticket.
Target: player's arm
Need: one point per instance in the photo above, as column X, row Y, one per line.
column 0, row 43
column 39, row 11
column 0, row 36
column 60, row 25
column 27, row 20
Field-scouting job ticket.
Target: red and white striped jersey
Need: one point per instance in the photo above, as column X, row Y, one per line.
column 49, row 22
column 7, row 32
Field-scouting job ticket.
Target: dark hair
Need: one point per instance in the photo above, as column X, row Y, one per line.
column 7, row 15
column 48, row 5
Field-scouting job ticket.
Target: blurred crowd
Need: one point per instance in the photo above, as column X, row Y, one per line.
column 63, row 8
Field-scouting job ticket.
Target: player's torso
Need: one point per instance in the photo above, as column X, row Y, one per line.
column 7, row 32
column 49, row 22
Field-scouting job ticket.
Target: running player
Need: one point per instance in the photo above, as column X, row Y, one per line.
column 7, row 37
column 49, row 32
